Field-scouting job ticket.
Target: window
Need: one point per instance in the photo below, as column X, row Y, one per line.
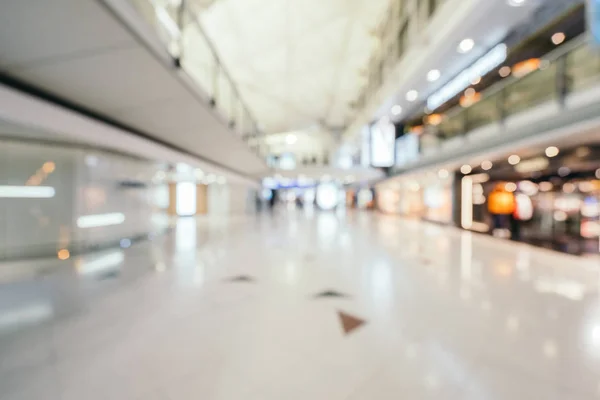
column 402, row 39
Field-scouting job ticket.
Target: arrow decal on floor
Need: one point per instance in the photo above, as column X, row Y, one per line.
column 349, row 322
column 329, row 293
column 241, row 278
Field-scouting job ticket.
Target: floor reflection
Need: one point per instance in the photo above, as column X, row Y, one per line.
column 451, row 314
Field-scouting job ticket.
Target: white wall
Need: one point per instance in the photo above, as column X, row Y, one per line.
column 230, row 199
column 85, row 183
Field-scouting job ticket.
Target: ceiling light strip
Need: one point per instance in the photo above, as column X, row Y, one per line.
column 97, row 220
column 27, row 192
column 485, row 64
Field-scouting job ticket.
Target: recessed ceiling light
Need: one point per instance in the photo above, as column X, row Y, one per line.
column 476, row 81
column 583, row 151
column 396, row 110
column 505, row 71
column 514, row 159
column 466, row 169
column 433, row 75
column 564, row 171
column 558, row 38
column 466, row 45
column 470, row 92
column 552, row 151
column 486, row 165
column 412, row 95
column 443, row 173
column 516, row 3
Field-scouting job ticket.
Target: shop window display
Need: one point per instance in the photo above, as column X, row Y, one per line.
column 545, row 207
column 426, row 196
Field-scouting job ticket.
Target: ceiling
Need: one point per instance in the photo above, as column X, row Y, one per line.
column 100, row 59
column 297, row 64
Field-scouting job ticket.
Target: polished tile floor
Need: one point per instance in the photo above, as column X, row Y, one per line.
column 257, row 308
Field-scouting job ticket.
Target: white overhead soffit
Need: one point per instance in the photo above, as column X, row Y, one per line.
column 548, row 124
column 296, row 63
column 79, row 51
column 63, row 124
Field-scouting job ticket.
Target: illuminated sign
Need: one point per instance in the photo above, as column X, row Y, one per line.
column 186, row 199
column 485, row 64
column 533, row 165
column 407, row 149
column 383, row 143
column 327, row 196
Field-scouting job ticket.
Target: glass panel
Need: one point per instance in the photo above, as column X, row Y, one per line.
column 180, row 32
column 483, row 113
column 535, row 88
column 583, row 68
column 164, row 20
column 452, row 126
column 582, row 71
column 224, row 95
column 197, row 58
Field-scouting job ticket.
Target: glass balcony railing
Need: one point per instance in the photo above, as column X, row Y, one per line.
column 179, row 28
column 571, row 70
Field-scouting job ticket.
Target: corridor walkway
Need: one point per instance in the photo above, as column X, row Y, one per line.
column 303, row 306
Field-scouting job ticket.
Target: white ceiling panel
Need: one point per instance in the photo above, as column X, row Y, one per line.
column 169, row 115
column 34, row 31
column 105, row 81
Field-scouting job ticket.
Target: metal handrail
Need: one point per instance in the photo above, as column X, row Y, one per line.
column 213, row 50
column 503, row 88
column 509, row 81
column 185, row 12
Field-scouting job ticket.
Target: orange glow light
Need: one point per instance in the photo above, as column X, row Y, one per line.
column 525, row 67
column 503, row 270
column 33, row 181
column 49, row 167
column 468, row 101
column 416, row 129
column 63, row 254
column 434, row 119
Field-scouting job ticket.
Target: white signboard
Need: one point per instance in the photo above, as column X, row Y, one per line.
column 407, row 149
column 383, row 137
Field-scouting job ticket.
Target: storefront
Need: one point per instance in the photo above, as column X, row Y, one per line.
column 549, row 199
column 426, row 196
column 364, row 199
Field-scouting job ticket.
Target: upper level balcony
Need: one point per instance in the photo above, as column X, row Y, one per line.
column 555, row 95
